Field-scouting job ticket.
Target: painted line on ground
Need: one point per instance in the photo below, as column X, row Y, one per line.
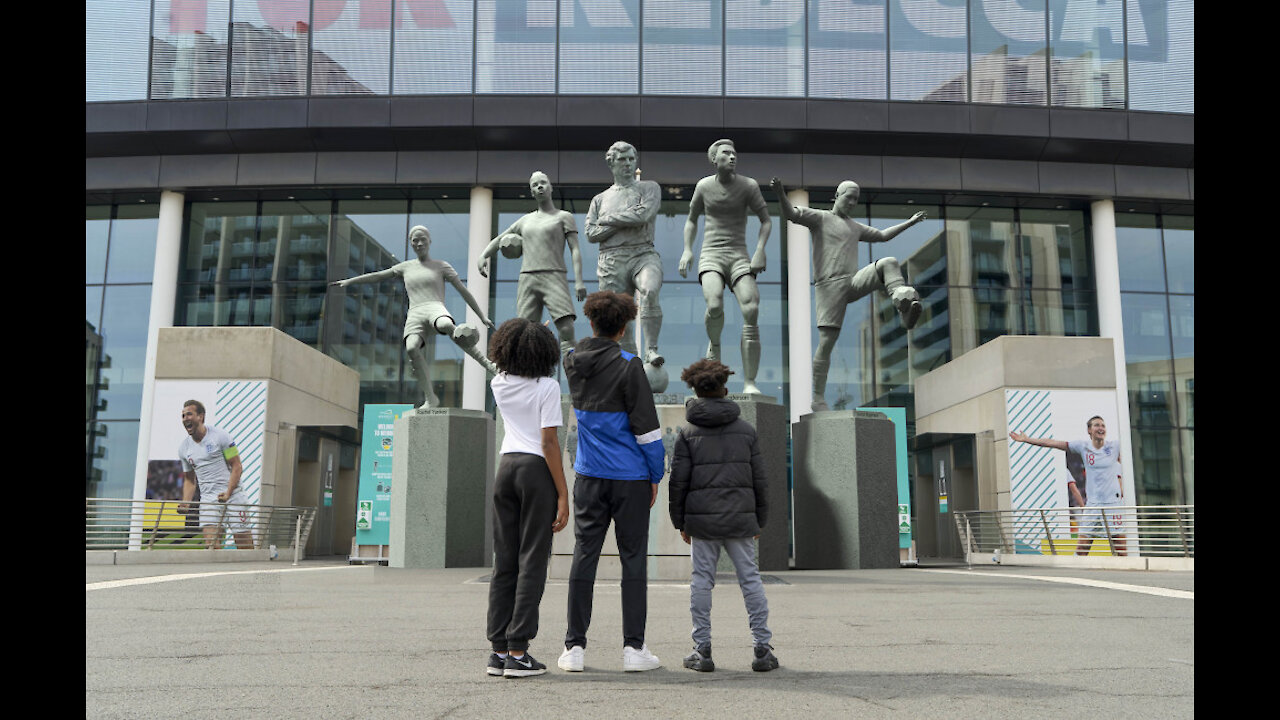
column 128, row 582
column 1145, row 589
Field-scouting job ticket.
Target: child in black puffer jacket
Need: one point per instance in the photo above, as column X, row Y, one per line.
column 718, row 500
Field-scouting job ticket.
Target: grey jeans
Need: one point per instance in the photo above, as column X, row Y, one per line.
column 742, row 551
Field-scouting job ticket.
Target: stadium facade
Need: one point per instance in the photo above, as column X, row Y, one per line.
column 242, row 154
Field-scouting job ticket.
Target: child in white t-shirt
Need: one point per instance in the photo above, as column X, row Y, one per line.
column 530, row 498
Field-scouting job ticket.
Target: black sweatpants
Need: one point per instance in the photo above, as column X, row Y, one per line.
column 524, row 506
column 596, row 501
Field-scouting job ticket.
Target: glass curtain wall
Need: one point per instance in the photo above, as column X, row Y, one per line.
column 1157, row 284
column 269, row 264
column 981, row 272
column 119, row 262
column 1064, row 53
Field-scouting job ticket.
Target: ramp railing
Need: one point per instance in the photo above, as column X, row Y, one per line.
column 114, row 524
column 1134, row 530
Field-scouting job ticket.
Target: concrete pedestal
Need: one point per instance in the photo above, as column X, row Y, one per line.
column 668, row 556
column 846, row 494
column 442, row 465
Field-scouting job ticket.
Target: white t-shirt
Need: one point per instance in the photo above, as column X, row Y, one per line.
column 1101, row 471
column 208, row 458
column 527, row 405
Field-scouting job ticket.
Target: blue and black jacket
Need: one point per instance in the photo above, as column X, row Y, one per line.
column 618, row 433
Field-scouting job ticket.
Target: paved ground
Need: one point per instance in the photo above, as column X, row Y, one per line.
column 330, row 640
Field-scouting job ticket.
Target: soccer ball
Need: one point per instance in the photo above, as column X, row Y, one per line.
column 657, row 376
column 511, row 245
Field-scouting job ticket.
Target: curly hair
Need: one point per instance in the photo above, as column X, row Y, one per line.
column 522, row 347
column 618, row 147
column 609, row 311
column 706, row 377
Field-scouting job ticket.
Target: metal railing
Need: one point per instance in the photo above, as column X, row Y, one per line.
column 1133, row 530
column 113, row 524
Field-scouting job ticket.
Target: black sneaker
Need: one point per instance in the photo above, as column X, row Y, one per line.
column 700, row 660
column 764, row 660
column 523, row 666
column 496, row 664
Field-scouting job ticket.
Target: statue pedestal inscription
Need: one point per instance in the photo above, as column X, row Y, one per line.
column 442, row 466
column 846, row 492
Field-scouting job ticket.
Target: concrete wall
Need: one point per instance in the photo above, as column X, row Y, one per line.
column 304, row 386
column 967, row 395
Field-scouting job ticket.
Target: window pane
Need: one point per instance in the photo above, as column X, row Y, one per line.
column 1146, row 349
column 1138, row 254
column 848, row 49
column 1007, row 51
column 1183, row 320
column 928, row 50
column 516, row 46
column 980, row 246
column 115, row 50
column 682, row 47
column 1054, row 250
column 219, row 246
column 351, row 48
column 125, row 309
column 1179, row 253
column 1087, row 39
column 1157, row 467
column 292, row 242
column 979, row 315
column 269, row 48
column 131, row 258
column 1161, row 45
column 113, row 471
column 921, row 250
column 97, row 227
column 600, row 47
column 1188, row 449
column 764, row 48
column 433, row 43
column 189, row 49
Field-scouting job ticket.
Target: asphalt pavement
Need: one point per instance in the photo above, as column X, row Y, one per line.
column 326, row 639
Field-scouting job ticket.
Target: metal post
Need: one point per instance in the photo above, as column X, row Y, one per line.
column 1182, row 531
column 297, row 535
column 156, row 527
column 968, row 541
column 1048, row 535
column 1106, row 527
column 1000, row 529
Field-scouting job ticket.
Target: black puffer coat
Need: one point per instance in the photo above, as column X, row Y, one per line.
column 717, row 475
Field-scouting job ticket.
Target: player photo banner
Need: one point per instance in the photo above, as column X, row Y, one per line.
column 1038, row 476
column 238, row 407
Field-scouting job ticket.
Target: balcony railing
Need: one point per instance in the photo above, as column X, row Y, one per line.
column 114, row 524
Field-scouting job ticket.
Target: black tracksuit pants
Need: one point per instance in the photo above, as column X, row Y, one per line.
column 524, row 506
column 596, row 501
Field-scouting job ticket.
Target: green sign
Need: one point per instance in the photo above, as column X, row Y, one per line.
column 899, row 417
column 373, row 497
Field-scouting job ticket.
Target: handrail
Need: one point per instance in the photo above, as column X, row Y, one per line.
column 1133, row 530
column 124, row 524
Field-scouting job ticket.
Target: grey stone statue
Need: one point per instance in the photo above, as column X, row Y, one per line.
column 837, row 279
column 424, row 280
column 621, row 220
column 539, row 238
column 726, row 198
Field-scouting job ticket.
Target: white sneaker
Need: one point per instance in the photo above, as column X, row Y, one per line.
column 638, row 660
column 572, row 659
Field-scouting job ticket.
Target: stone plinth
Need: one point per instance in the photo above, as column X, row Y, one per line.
column 668, row 555
column 846, row 491
column 441, row 468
